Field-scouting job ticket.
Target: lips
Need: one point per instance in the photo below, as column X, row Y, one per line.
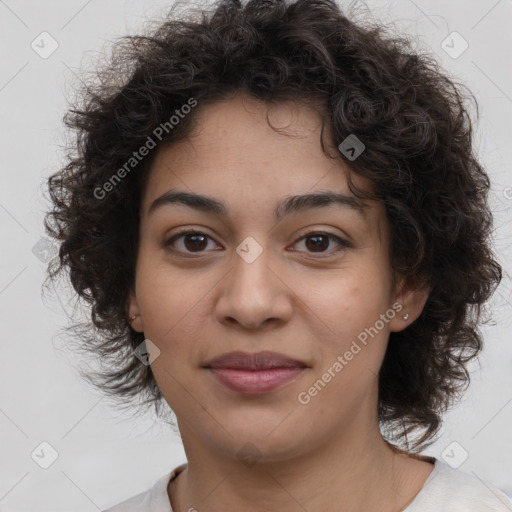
column 252, row 362
column 253, row 374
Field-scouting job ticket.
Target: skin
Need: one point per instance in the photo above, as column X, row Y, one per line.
column 203, row 300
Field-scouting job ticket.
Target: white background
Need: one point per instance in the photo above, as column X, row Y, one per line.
column 105, row 456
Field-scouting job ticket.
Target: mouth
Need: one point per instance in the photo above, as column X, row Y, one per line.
column 253, row 374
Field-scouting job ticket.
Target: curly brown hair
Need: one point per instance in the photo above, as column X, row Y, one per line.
column 412, row 117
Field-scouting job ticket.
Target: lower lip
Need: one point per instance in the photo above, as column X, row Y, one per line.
column 255, row 382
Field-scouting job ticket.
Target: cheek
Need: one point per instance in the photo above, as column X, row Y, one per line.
column 343, row 304
column 172, row 316
column 166, row 294
column 351, row 341
column 176, row 309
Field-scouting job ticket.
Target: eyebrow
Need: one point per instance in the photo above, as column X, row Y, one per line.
column 289, row 205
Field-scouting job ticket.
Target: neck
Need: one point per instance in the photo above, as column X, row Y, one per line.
column 358, row 472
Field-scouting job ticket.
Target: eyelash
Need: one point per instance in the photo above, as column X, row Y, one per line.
column 343, row 243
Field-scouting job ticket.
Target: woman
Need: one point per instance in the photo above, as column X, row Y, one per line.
column 283, row 232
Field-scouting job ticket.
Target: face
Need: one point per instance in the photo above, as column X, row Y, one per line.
column 308, row 284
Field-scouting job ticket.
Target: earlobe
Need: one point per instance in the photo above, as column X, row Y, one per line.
column 412, row 300
column 133, row 314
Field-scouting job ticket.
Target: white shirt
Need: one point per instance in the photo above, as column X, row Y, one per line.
column 445, row 490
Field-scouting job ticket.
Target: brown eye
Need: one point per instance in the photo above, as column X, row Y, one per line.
column 195, row 242
column 318, row 242
column 190, row 242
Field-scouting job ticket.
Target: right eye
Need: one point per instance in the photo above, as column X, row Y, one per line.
column 192, row 241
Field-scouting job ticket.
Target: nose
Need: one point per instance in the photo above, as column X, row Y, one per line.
column 254, row 294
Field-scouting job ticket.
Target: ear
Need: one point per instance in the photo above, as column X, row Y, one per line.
column 411, row 296
column 133, row 311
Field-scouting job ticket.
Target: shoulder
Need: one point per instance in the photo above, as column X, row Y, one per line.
column 155, row 499
column 453, row 490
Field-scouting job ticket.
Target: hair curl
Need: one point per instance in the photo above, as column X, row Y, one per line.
column 417, row 131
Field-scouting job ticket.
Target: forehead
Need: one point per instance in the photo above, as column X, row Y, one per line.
column 234, row 155
column 246, row 134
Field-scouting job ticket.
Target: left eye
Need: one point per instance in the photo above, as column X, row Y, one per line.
column 196, row 241
column 319, row 241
